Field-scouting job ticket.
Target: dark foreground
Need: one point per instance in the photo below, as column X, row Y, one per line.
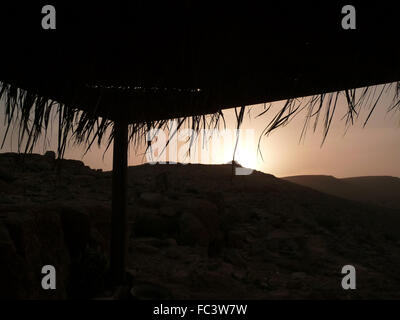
column 195, row 234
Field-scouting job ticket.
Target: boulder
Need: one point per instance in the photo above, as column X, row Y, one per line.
column 200, row 224
column 76, row 227
column 12, row 272
column 173, row 253
column 144, row 248
column 6, row 175
column 298, row 276
column 167, row 211
column 205, row 211
column 50, row 155
column 154, row 242
column 192, row 231
column 171, row 242
column 152, row 199
column 235, row 258
column 37, row 163
column 84, row 180
column 235, row 239
column 150, row 224
column 32, row 238
column 161, row 182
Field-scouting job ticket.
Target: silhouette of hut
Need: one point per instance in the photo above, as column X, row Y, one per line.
column 133, row 66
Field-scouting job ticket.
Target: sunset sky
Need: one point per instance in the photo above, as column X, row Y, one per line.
column 373, row 150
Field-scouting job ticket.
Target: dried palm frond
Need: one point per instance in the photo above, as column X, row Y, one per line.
column 30, row 114
column 325, row 104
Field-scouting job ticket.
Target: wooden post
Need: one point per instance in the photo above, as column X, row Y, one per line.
column 119, row 203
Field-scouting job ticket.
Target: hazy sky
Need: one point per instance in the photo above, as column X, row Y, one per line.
column 373, row 150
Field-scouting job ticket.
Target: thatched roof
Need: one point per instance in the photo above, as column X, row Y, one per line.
column 147, row 62
column 143, row 63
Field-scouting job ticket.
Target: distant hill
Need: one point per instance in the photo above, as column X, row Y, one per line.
column 379, row 190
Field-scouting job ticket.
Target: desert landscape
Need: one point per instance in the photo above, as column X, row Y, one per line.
column 196, row 232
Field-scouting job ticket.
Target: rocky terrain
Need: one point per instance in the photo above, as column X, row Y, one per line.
column 196, row 232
